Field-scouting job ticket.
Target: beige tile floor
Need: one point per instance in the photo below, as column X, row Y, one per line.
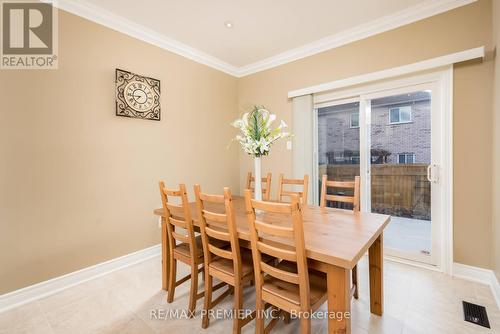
column 416, row 301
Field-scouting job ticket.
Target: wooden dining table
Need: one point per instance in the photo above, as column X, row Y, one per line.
column 335, row 240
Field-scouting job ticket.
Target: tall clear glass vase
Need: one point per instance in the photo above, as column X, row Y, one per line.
column 258, row 178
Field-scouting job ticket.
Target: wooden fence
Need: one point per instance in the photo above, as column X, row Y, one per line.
column 398, row 190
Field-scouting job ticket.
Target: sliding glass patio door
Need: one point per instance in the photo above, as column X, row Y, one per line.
column 390, row 136
column 338, row 141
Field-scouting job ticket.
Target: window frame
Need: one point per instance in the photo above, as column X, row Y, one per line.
column 350, row 120
column 406, row 155
column 399, row 114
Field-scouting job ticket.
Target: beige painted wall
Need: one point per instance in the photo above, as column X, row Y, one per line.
column 77, row 183
column 466, row 27
column 496, row 144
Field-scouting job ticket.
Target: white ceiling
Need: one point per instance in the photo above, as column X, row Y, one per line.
column 263, row 29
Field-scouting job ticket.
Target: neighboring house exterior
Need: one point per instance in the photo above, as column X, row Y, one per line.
column 400, row 131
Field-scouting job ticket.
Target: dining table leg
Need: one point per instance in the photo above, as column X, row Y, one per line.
column 339, row 300
column 164, row 254
column 376, row 269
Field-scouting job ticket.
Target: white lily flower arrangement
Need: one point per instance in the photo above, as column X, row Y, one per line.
column 257, row 133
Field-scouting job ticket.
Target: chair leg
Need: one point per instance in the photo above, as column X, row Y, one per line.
column 207, row 303
column 193, row 292
column 259, row 316
column 305, row 325
column 355, row 280
column 286, row 318
column 238, row 305
column 172, row 279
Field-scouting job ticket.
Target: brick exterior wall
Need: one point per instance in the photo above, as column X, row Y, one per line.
column 336, row 135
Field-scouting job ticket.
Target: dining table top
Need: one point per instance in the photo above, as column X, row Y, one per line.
column 334, row 236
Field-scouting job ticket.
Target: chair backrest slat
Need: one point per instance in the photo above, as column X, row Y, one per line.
column 175, row 209
column 352, row 185
column 275, row 230
column 173, row 192
column 293, row 181
column 180, row 237
column 275, row 240
column 212, row 198
column 339, row 198
column 265, row 182
column 280, row 274
column 177, row 222
column 273, row 207
column 289, row 193
column 217, row 222
column 217, row 234
column 282, row 192
column 341, row 184
column 178, row 215
column 276, row 252
column 220, row 252
column 214, row 217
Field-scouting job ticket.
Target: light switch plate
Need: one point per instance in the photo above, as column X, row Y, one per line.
column 289, row 145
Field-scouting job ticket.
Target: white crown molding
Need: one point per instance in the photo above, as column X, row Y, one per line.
column 423, row 65
column 479, row 275
column 96, row 14
column 383, row 24
column 54, row 285
column 101, row 16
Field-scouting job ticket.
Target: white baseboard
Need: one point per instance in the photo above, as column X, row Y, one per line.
column 471, row 273
column 480, row 275
column 54, row 285
column 495, row 288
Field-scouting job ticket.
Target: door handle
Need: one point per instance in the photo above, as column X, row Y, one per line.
column 431, row 171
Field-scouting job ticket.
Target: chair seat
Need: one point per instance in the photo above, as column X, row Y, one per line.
column 183, row 248
column 226, row 266
column 290, row 291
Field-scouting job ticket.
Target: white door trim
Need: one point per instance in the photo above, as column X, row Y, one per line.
column 447, row 175
column 315, row 166
column 444, row 78
column 303, row 139
column 365, row 122
column 409, row 69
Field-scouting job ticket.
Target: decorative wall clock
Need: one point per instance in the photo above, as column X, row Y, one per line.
column 137, row 96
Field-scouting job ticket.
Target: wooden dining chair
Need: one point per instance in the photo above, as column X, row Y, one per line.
column 266, row 190
column 289, row 286
column 184, row 246
column 282, row 192
column 354, row 186
column 340, row 198
column 231, row 265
